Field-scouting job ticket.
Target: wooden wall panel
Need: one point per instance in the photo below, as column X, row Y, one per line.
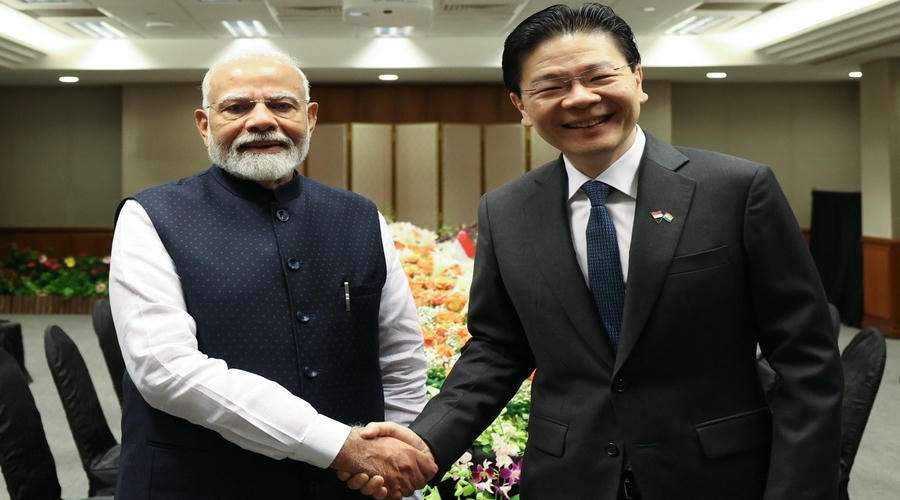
column 460, row 173
column 328, row 155
column 881, row 284
column 58, row 241
column 539, row 150
column 388, row 103
column 371, row 163
column 504, row 154
column 417, row 174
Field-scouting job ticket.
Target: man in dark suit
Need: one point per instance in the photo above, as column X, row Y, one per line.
column 637, row 279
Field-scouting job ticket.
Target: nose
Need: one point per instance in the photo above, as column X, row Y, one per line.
column 260, row 119
column 580, row 96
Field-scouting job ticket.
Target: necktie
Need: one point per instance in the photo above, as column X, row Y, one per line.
column 604, row 267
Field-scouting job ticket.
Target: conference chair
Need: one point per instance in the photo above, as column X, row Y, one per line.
column 11, row 341
column 25, row 459
column 109, row 344
column 97, row 448
column 863, row 361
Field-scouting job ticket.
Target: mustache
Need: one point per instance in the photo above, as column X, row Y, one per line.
column 271, row 136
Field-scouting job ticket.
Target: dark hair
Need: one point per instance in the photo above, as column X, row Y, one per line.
column 561, row 20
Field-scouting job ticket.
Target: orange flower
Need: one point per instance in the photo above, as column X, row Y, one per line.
column 455, row 302
column 444, row 283
column 445, row 351
column 449, row 317
column 463, row 334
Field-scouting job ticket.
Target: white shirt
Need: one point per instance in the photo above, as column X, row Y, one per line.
column 622, row 176
column 159, row 344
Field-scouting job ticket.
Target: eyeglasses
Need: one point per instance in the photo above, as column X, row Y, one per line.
column 235, row 109
column 593, row 78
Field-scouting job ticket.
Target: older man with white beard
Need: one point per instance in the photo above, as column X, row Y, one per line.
column 261, row 314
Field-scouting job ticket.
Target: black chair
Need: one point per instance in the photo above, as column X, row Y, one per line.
column 109, row 344
column 97, row 448
column 11, row 341
column 25, row 459
column 835, row 320
column 863, row 361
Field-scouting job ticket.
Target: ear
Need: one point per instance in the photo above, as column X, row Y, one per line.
column 202, row 121
column 312, row 110
column 639, row 78
column 517, row 102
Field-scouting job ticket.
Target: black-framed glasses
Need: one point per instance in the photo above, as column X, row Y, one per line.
column 593, row 78
column 237, row 108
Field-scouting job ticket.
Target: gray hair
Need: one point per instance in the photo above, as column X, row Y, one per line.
column 258, row 52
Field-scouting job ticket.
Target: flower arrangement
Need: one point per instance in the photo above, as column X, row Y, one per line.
column 440, row 274
column 30, row 273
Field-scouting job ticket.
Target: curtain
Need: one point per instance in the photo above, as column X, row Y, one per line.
column 836, row 246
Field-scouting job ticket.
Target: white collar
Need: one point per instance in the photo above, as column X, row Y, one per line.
column 621, row 175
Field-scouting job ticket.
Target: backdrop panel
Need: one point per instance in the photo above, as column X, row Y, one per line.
column 327, row 159
column 371, row 163
column 540, row 151
column 417, row 171
column 460, row 173
column 504, row 154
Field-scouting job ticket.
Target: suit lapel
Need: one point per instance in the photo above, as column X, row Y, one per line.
column 552, row 243
column 653, row 243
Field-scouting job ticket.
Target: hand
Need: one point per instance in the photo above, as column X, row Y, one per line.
column 370, row 485
column 401, row 467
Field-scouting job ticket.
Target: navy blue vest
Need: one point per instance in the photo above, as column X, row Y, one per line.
column 263, row 276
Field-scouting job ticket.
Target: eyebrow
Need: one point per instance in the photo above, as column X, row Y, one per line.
column 237, row 96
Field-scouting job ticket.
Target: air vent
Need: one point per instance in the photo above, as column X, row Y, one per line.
column 742, row 6
column 14, row 54
column 489, row 9
column 715, row 17
column 301, row 13
column 47, row 13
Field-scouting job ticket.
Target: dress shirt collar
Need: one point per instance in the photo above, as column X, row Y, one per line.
column 252, row 191
column 621, row 175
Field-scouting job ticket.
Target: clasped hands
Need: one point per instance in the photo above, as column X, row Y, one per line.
column 384, row 460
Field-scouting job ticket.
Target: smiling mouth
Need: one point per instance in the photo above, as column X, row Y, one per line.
column 593, row 122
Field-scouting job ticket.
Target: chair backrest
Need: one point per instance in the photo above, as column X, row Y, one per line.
column 79, row 399
column 25, row 459
column 109, row 344
column 863, row 362
column 11, row 341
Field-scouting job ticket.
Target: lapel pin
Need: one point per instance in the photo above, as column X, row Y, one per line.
column 668, row 217
column 657, row 215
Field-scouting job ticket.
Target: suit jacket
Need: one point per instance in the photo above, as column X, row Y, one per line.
column 681, row 399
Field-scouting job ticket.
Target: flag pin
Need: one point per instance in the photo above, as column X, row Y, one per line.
column 657, row 215
column 668, row 217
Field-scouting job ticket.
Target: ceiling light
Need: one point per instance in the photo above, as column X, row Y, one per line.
column 387, row 77
column 43, row 1
column 159, row 24
column 393, row 31
column 68, row 79
column 649, row 9
column 355, row 13
column 716, row 75
column 95, row 29
column 246, row 29
column 855, row 74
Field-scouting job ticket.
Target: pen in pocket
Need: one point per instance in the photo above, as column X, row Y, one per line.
column 347, row 295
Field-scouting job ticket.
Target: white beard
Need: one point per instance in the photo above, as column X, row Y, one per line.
column 258, row 166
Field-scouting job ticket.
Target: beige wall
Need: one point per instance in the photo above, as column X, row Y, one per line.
column 61, row 155
column 70, row 153
column 159, row 140
column 808, row 133
column 880, row 111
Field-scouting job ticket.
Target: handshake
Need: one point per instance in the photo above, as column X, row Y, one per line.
column 384, row 460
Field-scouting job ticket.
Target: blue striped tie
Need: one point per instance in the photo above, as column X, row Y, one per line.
column 604, row 267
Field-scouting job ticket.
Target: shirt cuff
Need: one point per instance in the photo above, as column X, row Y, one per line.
column 324, row 440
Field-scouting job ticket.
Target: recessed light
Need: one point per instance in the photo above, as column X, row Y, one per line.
column 68, row 79
column 246, row 29
column 393, row 31
column 158, row 24
column 355, row 13
column 649, row 9
column 855, row 74
column 717, row 75
column 387, row 77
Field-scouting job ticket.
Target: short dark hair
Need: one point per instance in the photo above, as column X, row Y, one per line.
column 561, row 20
